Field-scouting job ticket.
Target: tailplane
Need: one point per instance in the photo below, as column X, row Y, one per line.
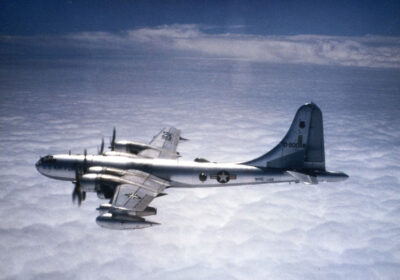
column 303, row 146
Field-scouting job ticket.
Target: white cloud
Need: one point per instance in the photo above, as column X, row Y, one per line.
column 365, row 51
column 368, row 51
column 230, row 110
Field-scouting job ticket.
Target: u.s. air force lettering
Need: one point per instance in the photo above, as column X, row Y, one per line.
column 298, row 144
column 293, row 145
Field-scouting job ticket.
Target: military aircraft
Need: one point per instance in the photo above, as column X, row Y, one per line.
column 132, row 174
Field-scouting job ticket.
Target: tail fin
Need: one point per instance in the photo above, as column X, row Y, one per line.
column 302, row 147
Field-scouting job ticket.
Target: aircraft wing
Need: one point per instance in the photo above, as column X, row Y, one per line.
column 130, row 201
column 164, row 143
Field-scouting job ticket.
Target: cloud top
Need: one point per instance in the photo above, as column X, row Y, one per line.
column 368, row 51
column 195, row 40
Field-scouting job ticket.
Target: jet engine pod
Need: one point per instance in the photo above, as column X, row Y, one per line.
column 112, row 221
column 104, row 208
column 147, row 212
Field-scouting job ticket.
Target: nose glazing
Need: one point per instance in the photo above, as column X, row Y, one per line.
column 38, row 165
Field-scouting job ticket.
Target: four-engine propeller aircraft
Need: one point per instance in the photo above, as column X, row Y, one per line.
column 132, row 174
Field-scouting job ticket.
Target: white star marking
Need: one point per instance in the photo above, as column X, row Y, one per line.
column 131, row 195
column 223, row 177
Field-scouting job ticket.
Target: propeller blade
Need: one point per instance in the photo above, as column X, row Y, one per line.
column 112, row 143
column 101, row 147
column 76, row 176
column 85, row 161
column 77, row 193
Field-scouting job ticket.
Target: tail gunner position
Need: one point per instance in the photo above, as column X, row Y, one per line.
column 132, row 174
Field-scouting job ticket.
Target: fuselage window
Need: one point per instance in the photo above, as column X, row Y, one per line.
column 203, row 176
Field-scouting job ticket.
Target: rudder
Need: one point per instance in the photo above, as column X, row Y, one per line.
column 303, row 145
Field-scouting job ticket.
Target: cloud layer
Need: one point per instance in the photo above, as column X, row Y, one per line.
column 231, row 110
column 181, row 40
column 366, row 51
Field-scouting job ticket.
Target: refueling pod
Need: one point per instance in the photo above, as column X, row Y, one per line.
column 112, row 221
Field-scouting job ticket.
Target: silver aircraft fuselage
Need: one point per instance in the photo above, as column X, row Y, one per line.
column 181, row 173
column 132, row 174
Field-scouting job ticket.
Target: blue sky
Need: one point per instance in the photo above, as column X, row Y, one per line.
column 346, row 33
column 347, row 18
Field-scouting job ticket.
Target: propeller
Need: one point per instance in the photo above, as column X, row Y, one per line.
column 77, row 192
column 101, row 147
column 84, row 161
column 112, row 142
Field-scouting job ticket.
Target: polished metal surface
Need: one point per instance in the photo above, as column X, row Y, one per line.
column 132, row 174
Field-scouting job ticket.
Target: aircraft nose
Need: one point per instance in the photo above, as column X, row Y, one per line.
column 38, row 166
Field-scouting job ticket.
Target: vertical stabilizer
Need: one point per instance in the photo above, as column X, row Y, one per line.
column 303, row 145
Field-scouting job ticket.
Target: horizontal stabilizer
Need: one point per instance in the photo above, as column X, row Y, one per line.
column 304, row 178
column 315, row 177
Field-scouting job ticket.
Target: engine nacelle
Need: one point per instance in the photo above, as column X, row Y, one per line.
column 120, row 222
column 89, row 182
column 106, row 170
column 120, row 154
column 104, row 185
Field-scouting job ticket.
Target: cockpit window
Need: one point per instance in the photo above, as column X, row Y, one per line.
column 47, row 159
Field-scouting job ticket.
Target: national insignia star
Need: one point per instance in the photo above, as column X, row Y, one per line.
column 223, row 177
column 131, row 195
